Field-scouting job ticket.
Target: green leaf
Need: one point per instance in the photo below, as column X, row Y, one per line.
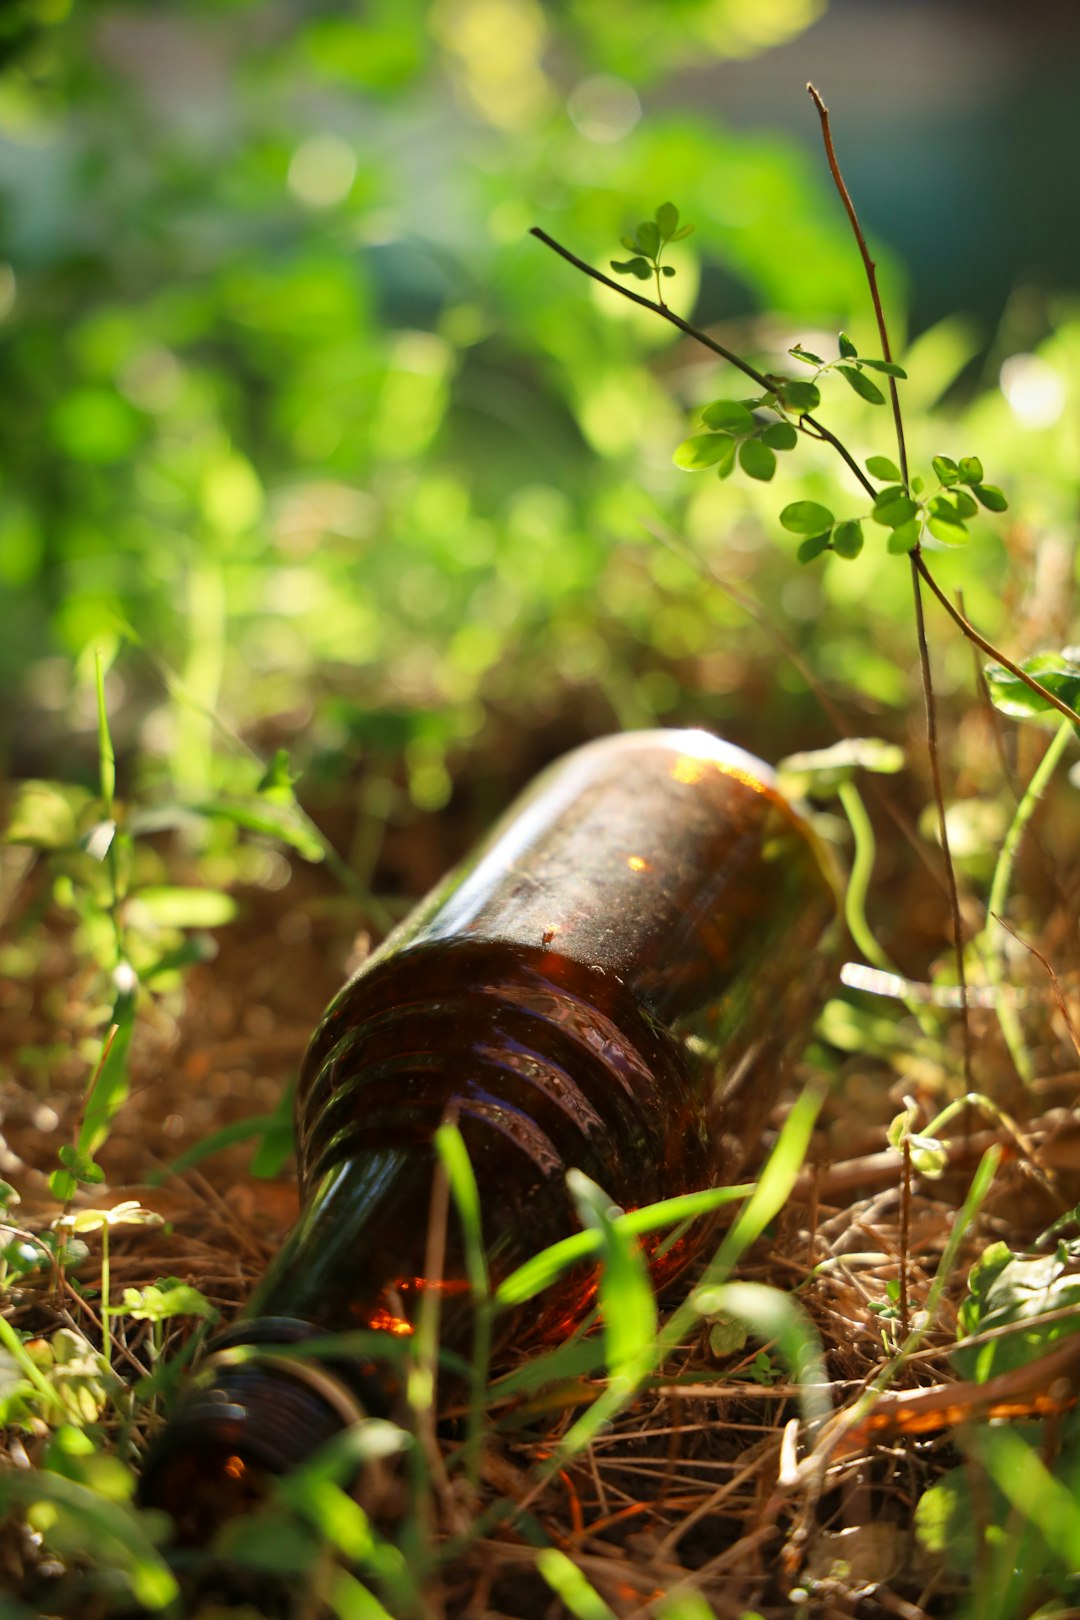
column 813, row 547
column 807, row 356
column 948, row 506
column 821, row 770
column 666, row 270
column 882, row 467
column 633, row 267
column 951, row 531
column 862, row 385
column 905, row 538
column 683, row 231
column 703, row 450
column 648, row 237
column 726, row 464
column 798, row 396
column 945, row 470
column 757, row 460
column 184, row 908
column 728, row 416
column 780, row 436
column 893, row 510
column 1004, row 1287
column 45, row 815
column 576, row 1596
column 889, row 367
column 285, row 822
column 971, row 470
column 63, row 1185
column 847, row 540
column 847, row 348
column 1056, row 671
column 277, row 781
column 965, row 505
column 806, row 517
column 990, row 497
column 167, row 1297
column 667, row 220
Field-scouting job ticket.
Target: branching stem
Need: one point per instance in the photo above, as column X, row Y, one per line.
column 817, row 429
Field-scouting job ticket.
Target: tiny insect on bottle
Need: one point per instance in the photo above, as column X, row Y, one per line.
column 610, row 983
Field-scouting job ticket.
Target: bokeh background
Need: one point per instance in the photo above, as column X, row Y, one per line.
column 301, row 427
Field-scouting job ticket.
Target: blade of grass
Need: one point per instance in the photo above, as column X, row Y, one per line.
column 454, row 1157
column 546, row 1267
column 991, row 941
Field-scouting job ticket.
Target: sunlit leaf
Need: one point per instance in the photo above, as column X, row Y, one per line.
column 951, row 531
column 667, row 220
column 847, row 348
column 882, row 467
column 1056, row 671
column 904, row 538
column 797, row 396
column 990, row 496
column 892, row 511
column 757, row 460
column 701, row 451
column 184, row 908
column 729, row 416
column 821, row 770
column 780, row 436
column 44, row 815
column 1004, row 1287
column 806, row 517
column 889, row 367
column 648, row 236
column 862, row 385
column 641, row 268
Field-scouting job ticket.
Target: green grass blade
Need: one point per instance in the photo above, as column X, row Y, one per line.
column 543, row 1269
column 627, row 1304
column 569, row 1584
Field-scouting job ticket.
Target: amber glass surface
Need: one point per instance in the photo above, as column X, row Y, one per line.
column 610, row 983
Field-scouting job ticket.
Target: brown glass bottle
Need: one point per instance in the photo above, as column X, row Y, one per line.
column 610, row 983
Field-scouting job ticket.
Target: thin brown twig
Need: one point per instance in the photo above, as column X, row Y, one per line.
column 1055, row 982
column 934, row 757
column 871, row 273
column 905, row 1237
column 980, row 641
column 920, row 618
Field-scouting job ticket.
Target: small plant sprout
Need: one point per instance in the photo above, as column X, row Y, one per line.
column 647, row 244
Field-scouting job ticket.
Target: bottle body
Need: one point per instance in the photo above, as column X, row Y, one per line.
column 609, row 984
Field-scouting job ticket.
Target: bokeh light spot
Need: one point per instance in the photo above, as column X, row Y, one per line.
column 322, row 171
column 1034, row 390
column 603, row 109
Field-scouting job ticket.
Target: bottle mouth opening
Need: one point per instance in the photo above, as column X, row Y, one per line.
column 251, row 1414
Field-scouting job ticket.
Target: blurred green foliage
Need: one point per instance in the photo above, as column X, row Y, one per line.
column 294, row 409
